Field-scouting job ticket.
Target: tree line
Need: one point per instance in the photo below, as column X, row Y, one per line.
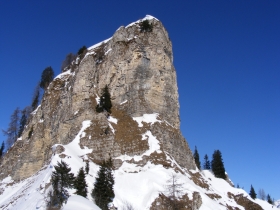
column 19, row 118
column 216, row 164
column 62, row 180
column 218, row 169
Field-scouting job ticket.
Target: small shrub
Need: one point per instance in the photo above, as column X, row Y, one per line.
column 46, row 77
column 107, row 130
column 82, row 50
column 30, row 133
column 145, row 26
column 105, row 103
column 100, row 54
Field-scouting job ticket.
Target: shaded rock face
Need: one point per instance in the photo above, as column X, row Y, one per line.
column 138, row 69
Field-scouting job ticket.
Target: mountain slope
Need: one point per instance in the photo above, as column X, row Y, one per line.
column 141, row 135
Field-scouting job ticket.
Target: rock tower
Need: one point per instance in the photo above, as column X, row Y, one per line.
column 137, row 66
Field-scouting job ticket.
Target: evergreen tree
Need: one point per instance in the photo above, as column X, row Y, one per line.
column 82, row 50
column 87, row 167
column 80, row 183
column 252, row 193
column 105, row 103
column 22, row 122
column 196, row 158
column 62, row 179
column 2, row 149
column 217, row 165
column 36, row 96
column 206, row 164
column 103, row 192
column 47, row 77
column 30, row 132
column 269, row 200
column 145, row 26
column 12, row 131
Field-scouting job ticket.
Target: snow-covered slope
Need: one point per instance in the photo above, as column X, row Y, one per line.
column 277, row 203
column 136, row 185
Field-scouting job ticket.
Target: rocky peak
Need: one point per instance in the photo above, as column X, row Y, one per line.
column 138, row 69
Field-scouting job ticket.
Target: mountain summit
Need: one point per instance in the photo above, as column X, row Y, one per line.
column 140, row 130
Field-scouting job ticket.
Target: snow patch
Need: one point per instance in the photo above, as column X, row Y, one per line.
column 153, row 147
column 168, row 123
column 147, row 17
column 112, row 119
column 123, row 102
column 34, row 112
column 147, row 118
column 97, row 99
column 7, row 180
column 112, row 128
column 98, row 44
column 60, row 76
column 108, row 51
column 78, row 202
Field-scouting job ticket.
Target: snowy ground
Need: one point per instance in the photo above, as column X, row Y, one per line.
column 78, row 202
column 134, row 185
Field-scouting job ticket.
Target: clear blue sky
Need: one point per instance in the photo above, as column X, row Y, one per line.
column 226, row 53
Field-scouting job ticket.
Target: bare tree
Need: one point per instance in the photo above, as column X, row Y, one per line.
column 174, row 190
column 12, row 131
column 173, row 187
column 68, row 60
column 262, row 194
column 36, row 97
column 51, row 201
column 127, row 206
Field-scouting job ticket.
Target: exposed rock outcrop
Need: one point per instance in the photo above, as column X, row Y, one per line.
column 138, row 69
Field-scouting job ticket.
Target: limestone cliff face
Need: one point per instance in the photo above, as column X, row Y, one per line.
column 138, row 69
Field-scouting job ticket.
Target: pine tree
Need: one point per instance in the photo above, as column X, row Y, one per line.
column 47, row 77
column 80, row 183
column 145, row 26
column 217, row 165
column 105, row 103
column 62, row 179
column 82, row 50
column 196, row 158
column 252, row 193
column 206, row 164
column 103, row 192
column 2, row 149
column 36, row 96
column 12, row 131
column 87, row 167
column 22, row 122
column 269, row 200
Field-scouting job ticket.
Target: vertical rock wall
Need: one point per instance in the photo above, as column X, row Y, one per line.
column 138, row 69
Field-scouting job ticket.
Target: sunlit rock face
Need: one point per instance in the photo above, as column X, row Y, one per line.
column 138, row 69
